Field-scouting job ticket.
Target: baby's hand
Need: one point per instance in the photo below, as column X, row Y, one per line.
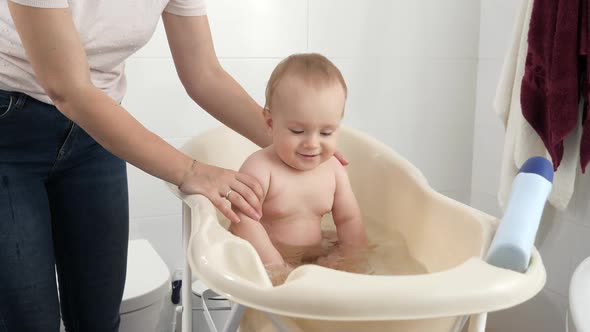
column 278, row 273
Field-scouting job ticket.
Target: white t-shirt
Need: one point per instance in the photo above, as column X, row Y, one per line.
column 110, row 31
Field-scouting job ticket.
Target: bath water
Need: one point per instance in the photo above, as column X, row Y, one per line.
column 383, row 256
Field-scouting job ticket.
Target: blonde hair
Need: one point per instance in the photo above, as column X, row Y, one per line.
column 311, row 67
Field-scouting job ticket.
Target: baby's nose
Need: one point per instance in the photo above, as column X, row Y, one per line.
column 311, row 141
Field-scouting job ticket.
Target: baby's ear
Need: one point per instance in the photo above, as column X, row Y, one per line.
column 267, row 117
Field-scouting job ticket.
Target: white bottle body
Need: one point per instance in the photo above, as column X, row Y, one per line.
column 515, row 236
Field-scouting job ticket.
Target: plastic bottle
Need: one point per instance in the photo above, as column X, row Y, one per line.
column 514, row 239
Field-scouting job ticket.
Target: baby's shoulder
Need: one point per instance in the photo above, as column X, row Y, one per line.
column 258, row 157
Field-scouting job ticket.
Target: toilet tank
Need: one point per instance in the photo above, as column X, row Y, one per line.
column 147, row 286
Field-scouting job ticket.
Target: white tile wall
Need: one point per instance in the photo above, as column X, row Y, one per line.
column 421, row 108
column 553, row 239
column 486, row 203
column 461, row 196
column 488, row 73
column 258, row 28
column 487, row 158
column 496, row 26
column 252, row 74
column 578, row 208
column 425, row 28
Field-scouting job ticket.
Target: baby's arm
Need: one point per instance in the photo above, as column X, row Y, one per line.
column 252, row 230
column 346, row 212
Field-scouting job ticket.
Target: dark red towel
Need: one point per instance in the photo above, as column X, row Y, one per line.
column 585, row 82
column 549, row 91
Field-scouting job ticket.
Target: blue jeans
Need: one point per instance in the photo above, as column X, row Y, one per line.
column 63, row 207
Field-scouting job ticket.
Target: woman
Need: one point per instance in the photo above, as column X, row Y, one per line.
column 63, row 140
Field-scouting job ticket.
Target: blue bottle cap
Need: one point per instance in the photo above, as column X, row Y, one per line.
column 540, row 166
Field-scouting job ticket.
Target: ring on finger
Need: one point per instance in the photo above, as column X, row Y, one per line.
column 227, row 194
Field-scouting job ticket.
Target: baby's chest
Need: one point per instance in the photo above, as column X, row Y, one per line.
column 301, row 194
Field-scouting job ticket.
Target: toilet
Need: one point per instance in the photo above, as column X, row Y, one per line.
column 147, row 287
column 578, row 319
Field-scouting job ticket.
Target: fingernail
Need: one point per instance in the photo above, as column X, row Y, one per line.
column 257, row 216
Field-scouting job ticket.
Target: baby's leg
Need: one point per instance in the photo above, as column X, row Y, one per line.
column 293, row 256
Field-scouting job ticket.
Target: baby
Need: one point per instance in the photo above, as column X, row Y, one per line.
column 301, row 178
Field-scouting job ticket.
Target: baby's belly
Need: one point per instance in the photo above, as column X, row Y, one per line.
column 295, row 238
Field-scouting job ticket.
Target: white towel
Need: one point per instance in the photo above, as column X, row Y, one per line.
column 521, row 141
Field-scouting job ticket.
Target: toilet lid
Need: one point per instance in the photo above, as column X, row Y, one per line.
column 579, row 296
column 148, row 277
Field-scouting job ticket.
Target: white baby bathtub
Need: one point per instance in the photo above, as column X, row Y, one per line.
column 448, row 238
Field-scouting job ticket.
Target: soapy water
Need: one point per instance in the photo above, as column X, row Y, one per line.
column 385, row 256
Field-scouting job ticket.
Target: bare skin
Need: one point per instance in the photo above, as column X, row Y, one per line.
column 295, row 201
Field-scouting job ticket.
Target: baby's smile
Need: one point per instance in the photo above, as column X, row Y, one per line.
column 308, row 156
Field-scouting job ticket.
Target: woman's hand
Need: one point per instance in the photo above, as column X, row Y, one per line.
column 218, row 185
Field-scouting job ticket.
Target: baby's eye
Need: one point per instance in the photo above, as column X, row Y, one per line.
column 296, row 131
column 326, row 134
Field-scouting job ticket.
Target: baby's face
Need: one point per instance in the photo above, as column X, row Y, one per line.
column 305, row 121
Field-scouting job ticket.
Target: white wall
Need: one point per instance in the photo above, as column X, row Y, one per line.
column 563, row 235
column 410, row 66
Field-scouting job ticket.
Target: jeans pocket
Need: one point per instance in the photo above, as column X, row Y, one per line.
column 7, row 103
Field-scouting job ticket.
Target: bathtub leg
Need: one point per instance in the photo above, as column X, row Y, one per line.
column 277, row 323
column 477, row 322
column 235, row 316
column 460, row 324
column 187, row 305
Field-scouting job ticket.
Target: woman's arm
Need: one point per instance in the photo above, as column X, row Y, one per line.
column 54, row 49
column 205, row 80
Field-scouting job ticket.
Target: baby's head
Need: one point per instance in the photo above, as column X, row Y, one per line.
column 305, row 99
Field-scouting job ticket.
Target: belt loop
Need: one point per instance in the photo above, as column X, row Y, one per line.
column 20, row 102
